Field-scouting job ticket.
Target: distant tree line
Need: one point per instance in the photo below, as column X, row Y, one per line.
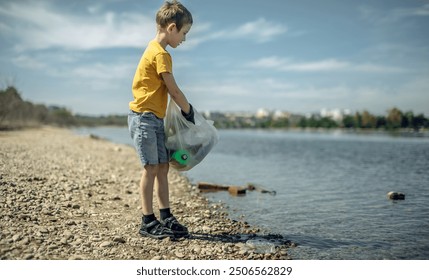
column 17, row 113
column 393, row 120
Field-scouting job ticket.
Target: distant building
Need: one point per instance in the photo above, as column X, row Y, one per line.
column 280, row 115
column 335, row 114
column 262, row 113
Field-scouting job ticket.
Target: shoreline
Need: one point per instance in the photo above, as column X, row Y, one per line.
column 67, row 196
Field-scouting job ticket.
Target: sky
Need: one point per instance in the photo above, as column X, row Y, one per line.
column 240, row 55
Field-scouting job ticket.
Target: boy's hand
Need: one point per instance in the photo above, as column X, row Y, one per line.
column 189, row 116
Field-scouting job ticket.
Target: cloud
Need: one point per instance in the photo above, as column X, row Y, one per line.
column 259, row 31
column 104, row 71
column 28, row 62
column 196, row 39
column 298, row 95
column 375, row 16
column 399, row 13
column 286, row 64
column 271, row 93
column 39, row 26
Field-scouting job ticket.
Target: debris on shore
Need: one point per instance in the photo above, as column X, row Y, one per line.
column 233, row 190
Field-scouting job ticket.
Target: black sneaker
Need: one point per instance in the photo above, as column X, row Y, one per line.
column 155, row 230
column 172, row 224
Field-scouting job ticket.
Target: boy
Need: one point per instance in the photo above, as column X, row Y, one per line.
column 152, row 83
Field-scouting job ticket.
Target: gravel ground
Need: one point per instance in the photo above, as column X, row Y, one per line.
column 65, row 196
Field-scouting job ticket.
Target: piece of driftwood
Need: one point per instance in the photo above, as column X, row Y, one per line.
column 209, row 187
column 233, row 190
column 253, row 187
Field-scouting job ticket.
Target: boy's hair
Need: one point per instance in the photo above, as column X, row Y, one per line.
column 173, row 12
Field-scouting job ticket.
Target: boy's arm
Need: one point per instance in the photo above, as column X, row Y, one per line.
column 175, row 92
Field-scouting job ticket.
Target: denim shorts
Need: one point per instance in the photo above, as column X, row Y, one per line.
column 147, row 132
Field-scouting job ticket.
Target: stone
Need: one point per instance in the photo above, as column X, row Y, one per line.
column 119, row 239
column 105, row 244
column 63, row 241
column 197, row 249
column 43, row 230
column 95, row 238
column 206, row 229
column 25, row 241
column 179, row 254
column 28, row 257
column 53, row 247
column 395, row 195
column 77, row 242
column 16, row 237
column 76, row 257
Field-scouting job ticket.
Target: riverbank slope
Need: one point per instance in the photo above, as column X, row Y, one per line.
column 65, row 196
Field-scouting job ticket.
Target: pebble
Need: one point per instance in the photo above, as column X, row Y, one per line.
column 53, row 247
column 196, row 249
column 67, row 234
column 119, row 239
column 76, row 257
column 105, row 244
column 95, row 239
column 206, row 229
column 16, row 237
column 28, row 257
column 25, row 241
column 43, row 230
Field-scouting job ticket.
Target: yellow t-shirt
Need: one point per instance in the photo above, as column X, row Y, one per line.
column 149, row 90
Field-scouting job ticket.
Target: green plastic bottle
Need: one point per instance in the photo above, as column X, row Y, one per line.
column 181, row 156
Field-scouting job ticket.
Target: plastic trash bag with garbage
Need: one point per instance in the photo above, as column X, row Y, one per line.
column 188, row 143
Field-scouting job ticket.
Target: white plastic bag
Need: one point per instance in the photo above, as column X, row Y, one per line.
column 188, row 143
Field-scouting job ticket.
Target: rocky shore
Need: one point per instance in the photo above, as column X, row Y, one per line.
column 64, row 196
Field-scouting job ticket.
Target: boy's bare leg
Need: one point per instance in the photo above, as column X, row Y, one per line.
column 146, row 186
column 150, row 225
column 162, row 192
column 161, row 186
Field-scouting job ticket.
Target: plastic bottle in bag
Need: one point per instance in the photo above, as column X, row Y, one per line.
column 181, row 156
column 188, row 143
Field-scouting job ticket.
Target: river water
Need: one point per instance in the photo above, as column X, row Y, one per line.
column 330, row 189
